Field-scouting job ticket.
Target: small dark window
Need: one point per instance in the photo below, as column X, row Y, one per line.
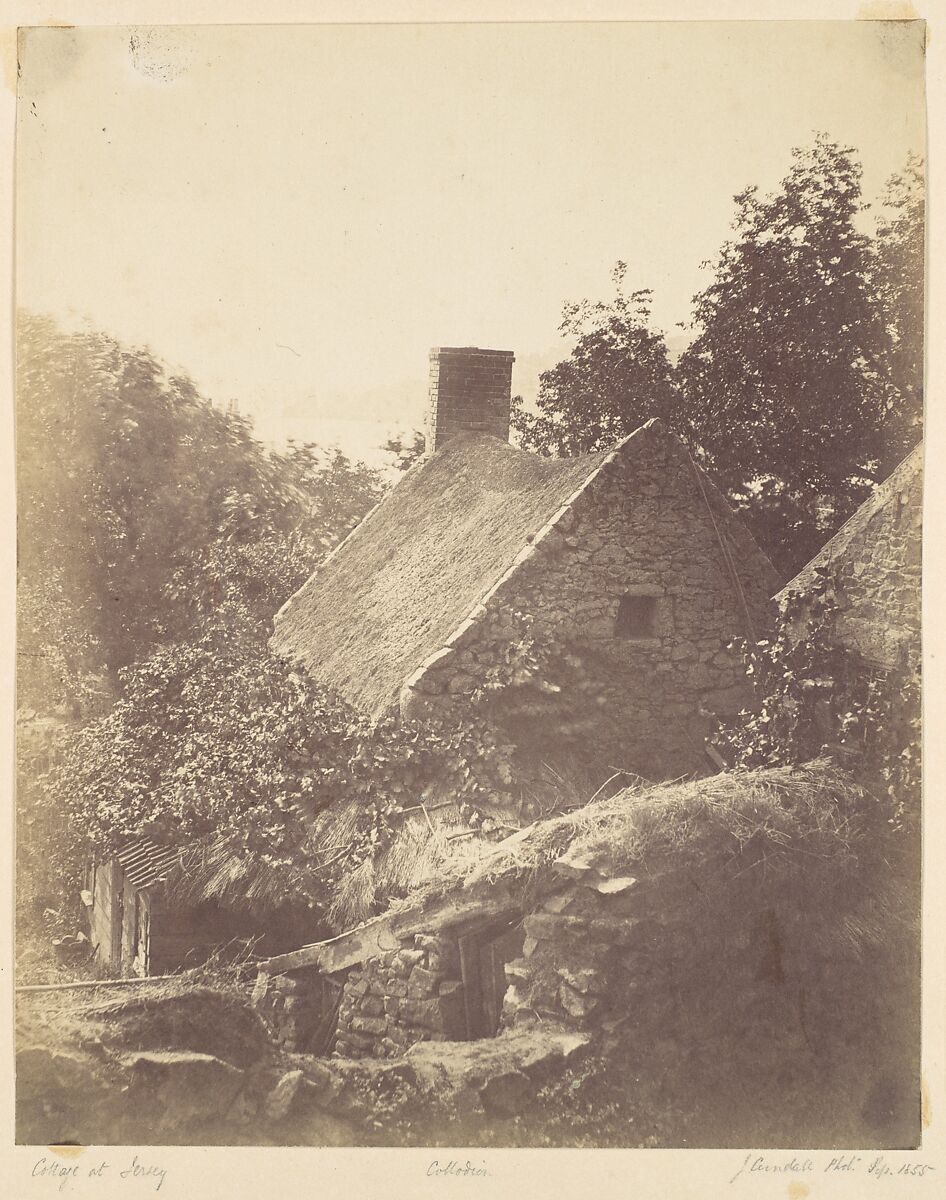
column 637, row 617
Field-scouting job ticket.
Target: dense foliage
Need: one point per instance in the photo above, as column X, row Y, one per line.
column 802, row 385
column 219, row 747
column 156, row 540
column 144, row 511
column 617, row 376
column 815, row 695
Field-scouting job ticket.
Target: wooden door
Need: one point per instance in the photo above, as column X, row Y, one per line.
column 483, row 956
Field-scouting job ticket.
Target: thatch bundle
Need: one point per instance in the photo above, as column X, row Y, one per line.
column 347, row 894
column 796, row 841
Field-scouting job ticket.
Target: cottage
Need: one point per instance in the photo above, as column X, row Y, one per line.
column 871, row 569
column 590, row 601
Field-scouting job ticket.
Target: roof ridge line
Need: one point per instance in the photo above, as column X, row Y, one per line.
column 876, row 500
column 528, row 551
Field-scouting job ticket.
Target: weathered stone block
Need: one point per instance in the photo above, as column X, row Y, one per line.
column 422, row 982
column 280, row 1101
column 617, row 932
column 517, row 968
column 321, row 1084
column 181, row 1086
column 359, row 1040
column 425, row 1013
column 578, row 1005
column 547, row 925
column 559, row 903
column 504, row 1095
column 372, row 1025
column 583, row 979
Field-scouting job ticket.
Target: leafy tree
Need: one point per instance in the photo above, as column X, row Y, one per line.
column 407, row 449
column 143, row 509
column 617, row 376
column 156, row 540
column 787, row 384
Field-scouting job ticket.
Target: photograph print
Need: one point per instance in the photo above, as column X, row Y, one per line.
column 469, row 486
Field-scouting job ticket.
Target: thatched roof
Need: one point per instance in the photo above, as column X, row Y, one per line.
column 794, row 833
column 787, row 811
column 401, row 583
column 857, row 528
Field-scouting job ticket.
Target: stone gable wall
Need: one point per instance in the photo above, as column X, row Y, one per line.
column 875, row 576
column 640, row 527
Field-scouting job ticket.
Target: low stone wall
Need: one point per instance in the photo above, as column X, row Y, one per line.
column 701, row 1006
column 584, row 958
column 690, row 981
column 409, row 995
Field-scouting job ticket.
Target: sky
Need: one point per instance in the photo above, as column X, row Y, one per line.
column 295, row 215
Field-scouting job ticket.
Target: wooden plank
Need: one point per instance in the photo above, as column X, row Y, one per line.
column 472, row 991
column 131, row 981
column 381, row 935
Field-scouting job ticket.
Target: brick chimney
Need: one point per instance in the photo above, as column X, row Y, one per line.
column 469, row 392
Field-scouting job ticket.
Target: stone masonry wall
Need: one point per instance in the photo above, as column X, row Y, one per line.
column 873, row 569
column 409, row 995
column 703, row 992
column 294, row 1006
column 733, row 1008
column 641, row 527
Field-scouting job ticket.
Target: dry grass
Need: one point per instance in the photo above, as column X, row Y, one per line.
column 250, row 882
column 413, row 856
column 400, row 585
column 789, row 838
column 796, row 809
